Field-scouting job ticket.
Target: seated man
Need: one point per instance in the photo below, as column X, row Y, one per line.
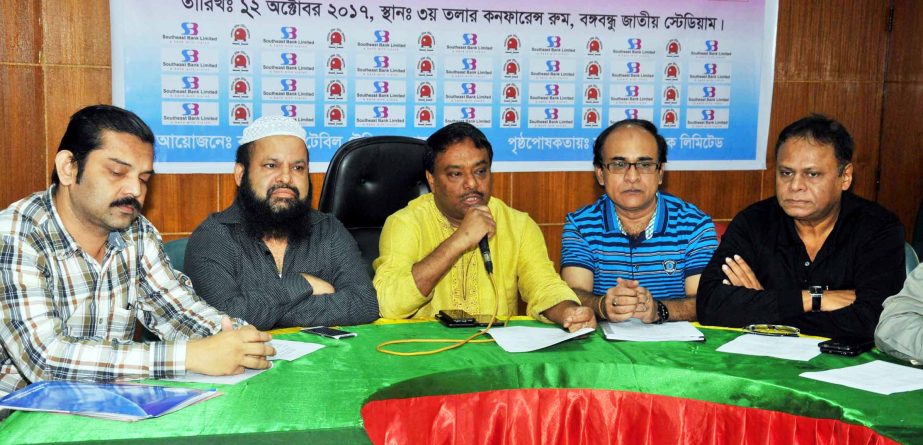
column 270, row 258
column 79, row 265
column 900, row 330
column 429, row 250
column 815, row 256
column 636, row 252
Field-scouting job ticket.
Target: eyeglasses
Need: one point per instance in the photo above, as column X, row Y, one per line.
column 643, row 167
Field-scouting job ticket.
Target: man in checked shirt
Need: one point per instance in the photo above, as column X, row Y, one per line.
column 78, row 266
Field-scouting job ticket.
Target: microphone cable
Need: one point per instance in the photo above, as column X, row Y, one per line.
column 455, row 343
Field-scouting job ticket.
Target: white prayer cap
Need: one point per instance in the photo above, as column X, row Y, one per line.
column 272, row 126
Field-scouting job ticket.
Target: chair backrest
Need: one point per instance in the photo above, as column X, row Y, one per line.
column 369, row 179
column 176, row 250
column 911, row 259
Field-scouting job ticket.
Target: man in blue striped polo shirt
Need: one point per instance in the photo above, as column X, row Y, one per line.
column 636, row 252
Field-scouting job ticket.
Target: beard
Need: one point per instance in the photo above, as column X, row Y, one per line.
column 288, row 218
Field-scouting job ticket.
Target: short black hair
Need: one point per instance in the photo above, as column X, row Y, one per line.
column 644, row 124
column 243, row 154
column 84, row 132
column 451, row 134
column 822, row 130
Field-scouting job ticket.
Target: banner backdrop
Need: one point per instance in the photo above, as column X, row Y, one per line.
column 541, row 78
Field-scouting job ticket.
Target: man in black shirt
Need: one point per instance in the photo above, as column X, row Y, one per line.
column 270, row 258
column 815, row 256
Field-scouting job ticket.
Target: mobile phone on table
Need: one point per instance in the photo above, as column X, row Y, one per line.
column 324, row 331
column 456, row 318
column 848, row 346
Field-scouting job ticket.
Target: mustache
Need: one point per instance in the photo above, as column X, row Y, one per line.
column 283, row 186
column 128, row 200
column 478, row 194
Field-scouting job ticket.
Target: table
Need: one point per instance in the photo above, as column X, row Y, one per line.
column 319, row 398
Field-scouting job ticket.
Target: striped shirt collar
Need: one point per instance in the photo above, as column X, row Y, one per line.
column 657, row 224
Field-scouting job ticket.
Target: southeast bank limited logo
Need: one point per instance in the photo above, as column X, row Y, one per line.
column 710, row 69
column 469, row 64
column 552, row 89
column 289, row 84
column 381, row 62
column 336, row 38
column 552, row 66
column 509, row 118
column 426, row 41
column 553, row 41
column 380, row 112
column 288, row 33
column 191, row 109
column 634, row 44
column 190, row 55
column 381, row 87
column 711, row 46
column 240, row 88
column 381, row 36
column 552, row 114
column 631, row 113
column 708, row 115
column 468, row 113
column 335, row 90
column 289, row 110
column 240, row 35
column 240, row 62
column 190, row 82
column 469, row 39
column 469, row 88
column 288, row 59
column 189, row 28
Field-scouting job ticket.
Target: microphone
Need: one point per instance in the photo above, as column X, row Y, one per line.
column 485, row 253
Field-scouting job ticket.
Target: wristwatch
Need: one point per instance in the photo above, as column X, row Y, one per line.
column 662, row 313
column 817, row 292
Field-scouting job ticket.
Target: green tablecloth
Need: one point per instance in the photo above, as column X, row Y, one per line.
column 317, row 399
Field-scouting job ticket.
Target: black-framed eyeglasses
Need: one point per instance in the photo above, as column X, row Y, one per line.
column 643, row 167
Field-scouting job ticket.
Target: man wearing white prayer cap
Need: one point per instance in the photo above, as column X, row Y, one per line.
column 270, row 258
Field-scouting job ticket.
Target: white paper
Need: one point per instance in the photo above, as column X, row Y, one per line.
column 526, row 339
column 788, row 348
column 634, row 329
column 290, row 350
column 285, row 350
column 878, row 377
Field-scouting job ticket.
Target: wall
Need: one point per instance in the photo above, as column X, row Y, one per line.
column 832, row 57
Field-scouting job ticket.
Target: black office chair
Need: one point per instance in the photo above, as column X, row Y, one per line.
column 369, row 179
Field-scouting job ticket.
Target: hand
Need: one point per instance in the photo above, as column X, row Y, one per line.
column 625, row 299
column 738, row 273
column 837, row 299
column 578, row 317
column 477, row 223
column 229, row 351
column 320, row 286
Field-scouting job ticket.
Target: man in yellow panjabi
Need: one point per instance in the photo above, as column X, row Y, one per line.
column 430, row 259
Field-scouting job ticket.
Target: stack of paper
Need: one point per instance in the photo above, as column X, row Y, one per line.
column 126, row 402
column 527, row 339
column 634, row 330
column 871, row 377
column 788, row 348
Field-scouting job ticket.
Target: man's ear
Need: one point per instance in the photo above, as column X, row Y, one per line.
column 66, row 167
column 238, row 173
column 429, row 180
column 600, row 174
column 847, row 177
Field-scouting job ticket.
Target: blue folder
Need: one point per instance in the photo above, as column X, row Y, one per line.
column 118, row 401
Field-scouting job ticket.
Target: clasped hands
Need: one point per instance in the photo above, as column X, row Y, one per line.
column 628, row 299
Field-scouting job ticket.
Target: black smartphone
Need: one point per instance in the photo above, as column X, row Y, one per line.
column 848, row 346
column 324, row 331
column 456, row 318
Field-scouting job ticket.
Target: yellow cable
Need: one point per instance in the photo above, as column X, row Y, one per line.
column 456, row 343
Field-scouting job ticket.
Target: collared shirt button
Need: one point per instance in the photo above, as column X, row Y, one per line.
column 807, row 263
